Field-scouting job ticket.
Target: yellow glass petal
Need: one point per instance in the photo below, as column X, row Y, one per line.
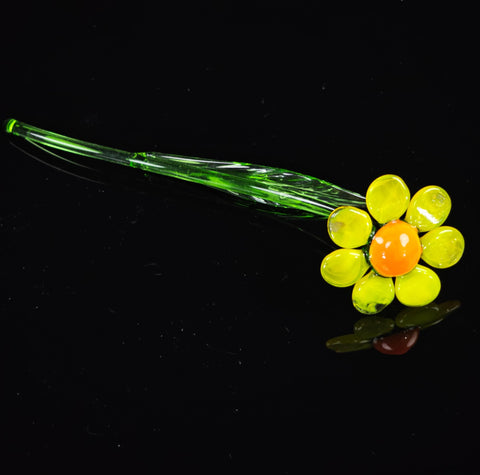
column 343, row 267
column 349, row 227
column 442, row 247
column 372, row 293
column 387, row 198
column 419, row 287
column 429, row 208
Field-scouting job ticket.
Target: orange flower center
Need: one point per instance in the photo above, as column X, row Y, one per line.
column 395, row 249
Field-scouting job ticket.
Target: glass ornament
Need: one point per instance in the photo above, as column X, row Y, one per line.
column 266, row 185
column 387, row 198
column 429, row 208
column 395, row 249
column 349, row 227
column 372, row 293
column 343, row 267
column 442, row 247
column 419, row 287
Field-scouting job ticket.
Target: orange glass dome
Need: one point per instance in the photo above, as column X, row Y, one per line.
column 395, row 249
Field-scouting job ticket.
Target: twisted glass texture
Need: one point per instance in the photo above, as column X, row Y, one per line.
column 266, row 185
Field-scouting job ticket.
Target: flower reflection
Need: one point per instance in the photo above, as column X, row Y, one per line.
column 392, row 336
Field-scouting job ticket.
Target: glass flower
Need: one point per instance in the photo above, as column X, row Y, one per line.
column 390, row 248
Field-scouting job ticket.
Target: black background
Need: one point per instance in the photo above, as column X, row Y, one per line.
column 153, row 323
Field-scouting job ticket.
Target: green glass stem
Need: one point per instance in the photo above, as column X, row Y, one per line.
column 266, row 185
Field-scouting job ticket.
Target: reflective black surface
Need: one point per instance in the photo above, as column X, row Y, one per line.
column 151, row 322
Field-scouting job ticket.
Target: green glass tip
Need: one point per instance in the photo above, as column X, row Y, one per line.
column 8, row 125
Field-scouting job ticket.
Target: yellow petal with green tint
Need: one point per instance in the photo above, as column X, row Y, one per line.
column 349, row 227
column 372, row 293
column 343, row 267
column 442, row 247
column 429, row 208
column 387, row 198
column 419, row 287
